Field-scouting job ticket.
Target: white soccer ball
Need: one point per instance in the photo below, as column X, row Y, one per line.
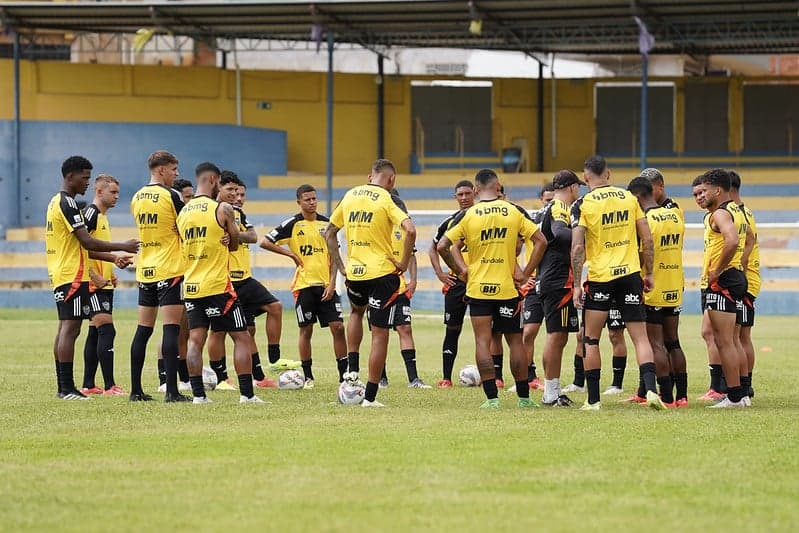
column 351, row 393
column 469, row 376
column 209, row 378
column 291, row 380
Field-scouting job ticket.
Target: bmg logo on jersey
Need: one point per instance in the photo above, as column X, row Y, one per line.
column 489, row 288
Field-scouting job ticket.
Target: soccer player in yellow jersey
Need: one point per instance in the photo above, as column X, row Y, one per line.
column 99, row 347
column 668, row 234
column 454, row 288
column 368, row 216
column 159, row 272
column 671, row 322
column 402, row 317
column 752, row 282
column 315, row 297
column 254, row 298
column 607, row 225
column 69, row 246
column 555, row 283
column 491, row 230
column 727, row 246
column 204, row 226
column 185, row 188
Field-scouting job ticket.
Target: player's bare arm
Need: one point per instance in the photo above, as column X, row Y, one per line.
column 445, row 277
column 721, row 221
column 96, row 245
column 408, row 244
column 445, row 251
column 578, row 260
column 539, row 247
column 268, row 245
column 412, row 271
column 224, row 214
column 331, row 237
column 647, row 252
column 248, row 237
column 749, row 245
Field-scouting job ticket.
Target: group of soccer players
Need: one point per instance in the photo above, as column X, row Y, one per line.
column 193, row 263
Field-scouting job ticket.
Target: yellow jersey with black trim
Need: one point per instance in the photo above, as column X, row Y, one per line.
column 98, row 227
column 306, row 239
column 240, row 260
column 206, row 258
column 753, row 267
column 67, row 260
column 368, row 215
column 442, row 229
column 668, row 235
column 608, row 215
column 714, row 241
column 155, row 209
column 491, row 229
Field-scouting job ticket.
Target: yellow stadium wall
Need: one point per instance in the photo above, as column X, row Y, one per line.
column 123, row 93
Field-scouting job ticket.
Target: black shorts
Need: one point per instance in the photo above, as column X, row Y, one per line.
column 402, row 311
column 533, row 309
column 101, row 301
column 627, row 292
column 658, row 315
column 748, row 311
column 222, row 312
column 506, row 313
column 559, row 311
column 727, row 293
column 378, row 295
column 72, row 301
column 455, row 304
column 253, row 296
column 309, row 307
column 160, row 293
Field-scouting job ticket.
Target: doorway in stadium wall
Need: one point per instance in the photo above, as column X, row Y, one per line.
column 451, row 125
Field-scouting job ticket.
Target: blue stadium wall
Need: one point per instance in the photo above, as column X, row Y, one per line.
column 121, row 149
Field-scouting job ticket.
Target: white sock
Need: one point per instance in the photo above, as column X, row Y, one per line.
column 551, row 390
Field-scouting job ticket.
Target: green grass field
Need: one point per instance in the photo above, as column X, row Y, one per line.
column 429, row 461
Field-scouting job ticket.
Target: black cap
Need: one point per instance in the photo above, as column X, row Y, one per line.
column 565, row 178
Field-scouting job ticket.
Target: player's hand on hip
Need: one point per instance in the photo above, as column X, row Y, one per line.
column 447, row 279
column 397, row 264
column 225, row 240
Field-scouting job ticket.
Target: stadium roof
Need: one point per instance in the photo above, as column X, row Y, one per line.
column 531, row 26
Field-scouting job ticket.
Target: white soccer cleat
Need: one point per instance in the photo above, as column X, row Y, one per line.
column 201, row 399
column 367, row 403
column 352, row 377
column 747, row 401
column 726, row 403
column 252, row 399
column 184, row 385
column 571, row 387
column 162, row 387
column 613, row 390
column 418, row 384
column 309, row 384
column 512, row 388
